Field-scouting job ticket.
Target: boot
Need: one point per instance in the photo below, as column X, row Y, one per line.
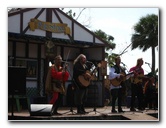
column 54, row 112
column 113, row 110
column 79, row 110
column 82, row 109
column 120, row 109
column 132, row 109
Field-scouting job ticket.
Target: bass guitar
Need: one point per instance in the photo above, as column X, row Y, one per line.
column 86, row 81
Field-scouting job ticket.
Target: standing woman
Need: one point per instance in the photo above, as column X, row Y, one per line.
column 81, row 91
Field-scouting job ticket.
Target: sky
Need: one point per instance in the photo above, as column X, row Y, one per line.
column 120, row 28
column 119, row 22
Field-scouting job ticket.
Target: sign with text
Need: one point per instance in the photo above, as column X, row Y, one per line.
column 47, row 26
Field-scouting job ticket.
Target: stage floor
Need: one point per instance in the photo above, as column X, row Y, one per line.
column 95, row 114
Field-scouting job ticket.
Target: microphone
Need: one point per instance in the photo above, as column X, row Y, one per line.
column 147, row 63
column 123, row 63
column 65, row 62
column 89, row 62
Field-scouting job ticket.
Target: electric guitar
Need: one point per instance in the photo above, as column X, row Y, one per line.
column 86, row 81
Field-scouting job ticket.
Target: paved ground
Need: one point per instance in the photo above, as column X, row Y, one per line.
column 95, row 114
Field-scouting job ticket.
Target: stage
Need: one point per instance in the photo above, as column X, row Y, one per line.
column 95, row 114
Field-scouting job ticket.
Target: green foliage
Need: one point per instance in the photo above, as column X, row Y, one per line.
column 111, row 59
column 146, row 33
column 109, row 39
column 101, row 34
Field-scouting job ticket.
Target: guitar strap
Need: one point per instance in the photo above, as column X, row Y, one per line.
column 117, row 69
column 86, row 67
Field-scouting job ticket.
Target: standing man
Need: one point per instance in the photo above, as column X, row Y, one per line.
column 150, row 92
column 55, row 83
column 137, row 86
column 116, row 91
column 79, row 69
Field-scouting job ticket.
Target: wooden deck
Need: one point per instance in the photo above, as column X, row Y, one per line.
column 95, row 114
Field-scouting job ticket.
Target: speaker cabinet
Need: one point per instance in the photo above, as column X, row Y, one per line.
column 41, row 109
column 16, row 80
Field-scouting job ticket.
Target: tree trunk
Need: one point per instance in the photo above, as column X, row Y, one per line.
column 153, row 59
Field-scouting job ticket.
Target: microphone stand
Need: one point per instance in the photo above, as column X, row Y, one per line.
column 125, row 67
column 95, row 101
column 149, row 66
column 71, row 106
column 94, row 109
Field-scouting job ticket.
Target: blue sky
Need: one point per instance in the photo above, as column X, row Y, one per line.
column 119, row 23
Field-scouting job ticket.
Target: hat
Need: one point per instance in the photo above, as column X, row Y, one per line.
column 58, row 57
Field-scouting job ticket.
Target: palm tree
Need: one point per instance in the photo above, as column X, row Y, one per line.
column 146, row 35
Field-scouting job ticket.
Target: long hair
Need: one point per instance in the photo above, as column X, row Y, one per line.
column 139, row 60
column 78, row 58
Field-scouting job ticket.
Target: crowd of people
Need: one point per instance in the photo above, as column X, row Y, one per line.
column 145, row 92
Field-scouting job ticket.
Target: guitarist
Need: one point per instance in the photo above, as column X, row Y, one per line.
column 137, row 88
column 116, row 91
column 80, row 67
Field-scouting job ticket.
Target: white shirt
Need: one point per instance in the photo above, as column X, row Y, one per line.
column 113, row 75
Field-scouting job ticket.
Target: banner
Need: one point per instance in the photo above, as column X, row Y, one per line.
column 47, row 26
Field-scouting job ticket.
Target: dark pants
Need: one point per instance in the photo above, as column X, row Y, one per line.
column 137, row 90
column 151, row 100
column 116, row 94
column 80, row 96
column 58, row 102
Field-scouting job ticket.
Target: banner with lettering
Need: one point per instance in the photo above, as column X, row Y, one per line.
column 47, row 26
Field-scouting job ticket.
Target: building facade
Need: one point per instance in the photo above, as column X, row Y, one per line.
column 37, row 35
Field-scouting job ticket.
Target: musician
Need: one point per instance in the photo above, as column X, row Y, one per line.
column 150, row 92
column 116, row 91
column 137, row 87
column 57, row 75
column 80, row 67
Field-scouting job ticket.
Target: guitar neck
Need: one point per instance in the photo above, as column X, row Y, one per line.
column 95, row 69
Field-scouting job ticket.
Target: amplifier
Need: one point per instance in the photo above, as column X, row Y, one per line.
column 41, row 109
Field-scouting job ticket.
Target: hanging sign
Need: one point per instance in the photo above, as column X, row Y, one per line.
column 47, row 26
column 104, row 68
column 50, row 49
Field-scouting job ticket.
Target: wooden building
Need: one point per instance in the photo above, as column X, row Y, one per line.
column 36, row 35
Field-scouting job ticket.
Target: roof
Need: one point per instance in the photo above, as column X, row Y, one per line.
column 24, row 34
column 39, row 39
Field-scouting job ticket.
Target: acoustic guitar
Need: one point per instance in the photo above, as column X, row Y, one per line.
column 86, row 82
column 117, row 81
column 138, row 79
